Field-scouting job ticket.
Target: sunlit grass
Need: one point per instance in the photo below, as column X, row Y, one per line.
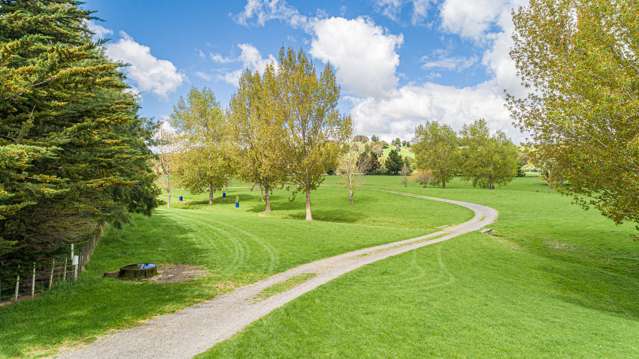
column 552, row 280
column 236, row 247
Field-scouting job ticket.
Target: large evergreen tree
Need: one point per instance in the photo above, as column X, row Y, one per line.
column 73, row 152
column 394, row 162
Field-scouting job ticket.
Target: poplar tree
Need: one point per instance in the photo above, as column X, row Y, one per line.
column 437, row 150
column 204, row 162
column 487, row 160
column 581, row 61
column 311, row 120
column 73, row 152
column 257, row 125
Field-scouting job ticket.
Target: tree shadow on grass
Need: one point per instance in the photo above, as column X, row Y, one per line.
column 229, row 200
column 333, row 215
column 601, row 279
column 80, row 311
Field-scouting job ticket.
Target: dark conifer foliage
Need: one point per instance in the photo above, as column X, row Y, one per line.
column 73, row 152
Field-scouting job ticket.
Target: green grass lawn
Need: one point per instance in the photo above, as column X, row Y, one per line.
column 236, row 246
column 552, row 281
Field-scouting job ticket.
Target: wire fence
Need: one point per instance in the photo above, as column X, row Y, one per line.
column 41, row 276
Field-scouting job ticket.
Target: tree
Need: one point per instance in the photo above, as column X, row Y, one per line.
column 393, row 162
column 437, row 150
column 397, row 142
column 311, row 119
column 580, row 58
column 74, row 155
column 258, row 131
column 487, row 160
column 166, row 150
column 204, row 163
column 406, row 171
column 360, row 138
column 349, row 171
column 368, row 163
column 374, row 138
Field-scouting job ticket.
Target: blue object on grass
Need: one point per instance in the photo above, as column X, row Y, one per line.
column 181, row 198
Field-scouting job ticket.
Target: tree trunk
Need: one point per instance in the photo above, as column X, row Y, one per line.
column 267, row 199
column 210, row 195
column 443, row 183
column 350, row 196
column 168, row 189
column 309, row 215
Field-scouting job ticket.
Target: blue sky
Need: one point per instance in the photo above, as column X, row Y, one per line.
column 399, row 62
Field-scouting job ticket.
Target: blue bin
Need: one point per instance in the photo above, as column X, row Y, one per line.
column 181, row 198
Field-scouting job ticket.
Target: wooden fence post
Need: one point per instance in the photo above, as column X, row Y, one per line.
column 51, row 276
column 33, row 281
column 17, row 286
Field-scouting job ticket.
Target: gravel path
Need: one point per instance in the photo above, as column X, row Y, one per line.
column 197, row 328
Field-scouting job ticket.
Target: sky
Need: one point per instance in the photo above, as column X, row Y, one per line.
column 399, row 63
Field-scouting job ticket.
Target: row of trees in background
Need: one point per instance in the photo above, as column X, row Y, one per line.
column 282, row 128
column 73, row 152
column 484, row 159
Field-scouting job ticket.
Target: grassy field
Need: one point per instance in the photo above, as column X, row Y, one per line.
column 552, row 280
column 235, row 246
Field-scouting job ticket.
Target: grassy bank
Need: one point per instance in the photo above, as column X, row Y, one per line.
column 235, row 246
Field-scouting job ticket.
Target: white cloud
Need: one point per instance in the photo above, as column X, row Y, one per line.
column 399, row 114
column 488, row 22
column 393, row 8
column 366, row 59
column 262, row 11
column 251, row 59
column 470, row 19
column 449, row 63
column 220, row 59
column 363, row 54
column 99, row 31
column 150, row 73
column 203, row 75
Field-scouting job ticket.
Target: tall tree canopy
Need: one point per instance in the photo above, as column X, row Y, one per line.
column 437, row 150
column 581, row 58
column 205, row 161
column 257, row 125
column 311, row 119
column 487, row 160
column 73, row 152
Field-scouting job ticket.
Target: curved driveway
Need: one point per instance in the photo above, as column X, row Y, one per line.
column 195, row 329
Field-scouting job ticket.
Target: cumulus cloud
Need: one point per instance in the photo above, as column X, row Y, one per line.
column 363, row 54
column 393, row 8
column 366, row 59
column 488, row 22
column 262, row 11
column 451, row 63
column 251, row 59
column 220, row 59
column 470, row 19
column 99, row 31
column 150, row 73
column 399, row 114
